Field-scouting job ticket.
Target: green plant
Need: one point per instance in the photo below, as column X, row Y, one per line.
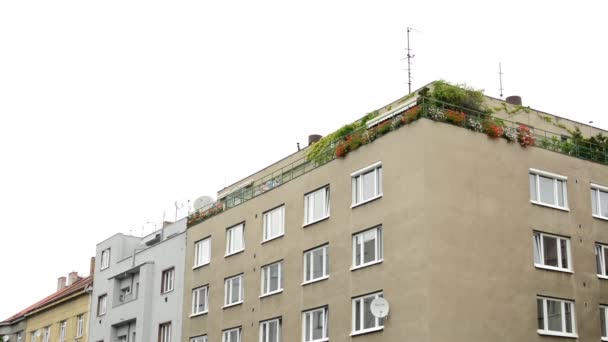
column 458, row 96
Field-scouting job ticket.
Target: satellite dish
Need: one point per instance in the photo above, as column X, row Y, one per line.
column 37, row 334
column 5, row 338
column 202, row 201
column 379, row 307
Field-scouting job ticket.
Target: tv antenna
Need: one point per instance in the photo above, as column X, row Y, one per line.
column 500, row 77
column 409, row 57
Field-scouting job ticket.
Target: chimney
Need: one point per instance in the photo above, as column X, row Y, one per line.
column 514, row 100
column 72, row 278
column 60, row 283
column 313, row 138
column 92, row 266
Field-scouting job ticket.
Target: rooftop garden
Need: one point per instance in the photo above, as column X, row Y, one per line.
column 456, row 105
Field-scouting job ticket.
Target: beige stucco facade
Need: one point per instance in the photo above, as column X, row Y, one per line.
column 458, row 253
column 67, row 309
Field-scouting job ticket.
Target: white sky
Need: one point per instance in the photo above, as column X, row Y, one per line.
column 112, row 110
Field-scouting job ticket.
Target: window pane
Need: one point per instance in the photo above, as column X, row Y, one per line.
column 369, row 321
column 317, row 327
column 358, row 249
column 380, row 243
column 537, row 251
column 594, row 202
column 533, row 187
column 564, row 249
column 326, row 250
column 605, row 257
column 603, row 321
column 550, row 252
column 369, row 246
column 568, row 307
column 308, row 265
column 238, row 238
column 546, row 190
column 603, row 204
column 379, row 190
column 560, row 193
column 274, row 277
column 307, row 326
column 598, row 259
column 355, row 190
column 368, row 181
column 357, row 314
column 273, row 333
column 319, row 204
column 318, row 263
column 554, row 315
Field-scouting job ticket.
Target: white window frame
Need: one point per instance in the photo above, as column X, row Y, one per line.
column 79, row 325
column 167, row 282
column 268, row 223
column 201, row 258
column 105, row 259
column 164, row 332
column 231, row 246
column 198, row 294
column 63, row 326
column 545, row 330
column 309, row 203
column 604, row 315
column 596, row 210
column 537, row 173
column 379, row 250
column 228, row 284
column 360, row 301
column 324, row 311
column 226, row 335
column 265, row 326
column 539, row 242
column 357, row 184
column 265, row 279
column 46, row 337
column 102, row 304
column 601, row 260
column 310, row 268
column 201, row 338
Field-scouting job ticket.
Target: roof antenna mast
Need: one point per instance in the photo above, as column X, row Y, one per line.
column 500, row 77
column 409, row 62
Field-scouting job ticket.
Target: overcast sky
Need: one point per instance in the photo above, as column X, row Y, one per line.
column 112, row 110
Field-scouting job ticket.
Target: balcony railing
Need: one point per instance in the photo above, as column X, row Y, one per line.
column 426, row 108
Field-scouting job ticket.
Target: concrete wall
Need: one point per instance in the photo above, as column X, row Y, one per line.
column 11, row 330
column 458, row 261
column 65, row 311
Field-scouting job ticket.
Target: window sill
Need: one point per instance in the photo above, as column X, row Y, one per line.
column 354, row 268
column 601, row 218
column 199, row 314
column 549, row 205
column 315, row 221
column 271, row 293
column 234, row 253
column 199, row 266
column 315, row 280
column 555, row 333
column 366, row 201
column 602, row 276
column 321, row 340
column 551, row 268
column 272, row 238
column 166, row 292
column 231, row 305
column 366, row 331
column 604, row 338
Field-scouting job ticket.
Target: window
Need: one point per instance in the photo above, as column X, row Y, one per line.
column 232, row 335
column 272, row 278
column 235, row 240
column 367, row 184
column 167, row 280
column 316, row 264
column 556, row 317
column 200, row 298
column 552, row 252
column 316, row 205
column 604, row 322
column 599, row 201
column 101, row 305
column 233, row 290
column 105, row 259
column 270, row 331
column 199, row 339
column 164, row 332
column 274, row 223
column 601, row 256
column 315, row 325
column 548, row 189
column 46, row 337
column 122, row 338
column 202, row 252
column 62, row 328
column 80, row 325
column 19, row 337
column 363, row 320
column 367, row 247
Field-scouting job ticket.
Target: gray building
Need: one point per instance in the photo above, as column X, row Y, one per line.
column 13, row 328
column 138, row 290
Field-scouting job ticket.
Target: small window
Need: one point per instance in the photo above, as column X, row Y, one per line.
column 80, row 325
column 168, row 277
column 316, row 205
column 316, row 264
column 232, row 335
column 19, row 336
column 604, row 322
column 601, row 256
column 367, row 184
column 46, row 337
column 101, row 305
column 599, row 201
column 202, row 252
column 274, row 223
column 315, row 325
column 105, row 259
column 367, row 247
column 200, row 298
column 552, row 252
column 199, row 339
column 556, row 317
column 235, row 239
column 233, row 290
column 548, row 189
column 363, row 319
column 272, row 278
column 164, row 332
column 62, row 330
column 270, row 331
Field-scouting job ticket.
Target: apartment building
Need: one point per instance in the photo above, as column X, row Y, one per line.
column 138, row 292
column 469, row 235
